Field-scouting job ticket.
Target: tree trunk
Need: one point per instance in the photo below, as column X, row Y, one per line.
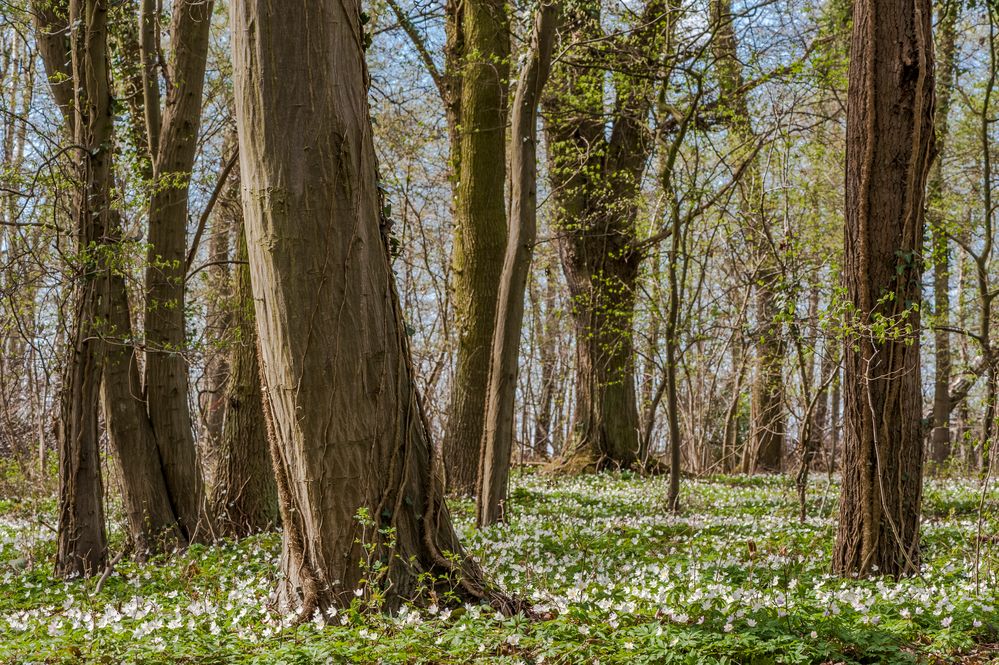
column 359, row 491
column 766, row 446
column 835, row 419
column 545, row 320
column 166, row 375
column 151, row 519
column 940, row 250
column 498, row 435
column 595, row 184
column 244, row 498
column 889, row 149
column 82, row 541
column 480, row 228
column 219, row 317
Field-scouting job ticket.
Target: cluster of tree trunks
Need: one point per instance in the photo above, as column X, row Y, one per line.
column 320, row 423
column 147, row 416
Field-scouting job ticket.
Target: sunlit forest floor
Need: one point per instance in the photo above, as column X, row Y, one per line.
column 734, row 578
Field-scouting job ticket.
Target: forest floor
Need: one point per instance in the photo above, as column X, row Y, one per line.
column 734, row 578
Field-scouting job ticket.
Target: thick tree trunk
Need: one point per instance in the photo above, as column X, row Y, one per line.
column 244, row 498
column 940, row 250
column 605, row 420
column 166, row 375
column 498, row 435
column 595, row 184
column 82, row 541
column 480, row 229
column 889, row 150
column 360, row 494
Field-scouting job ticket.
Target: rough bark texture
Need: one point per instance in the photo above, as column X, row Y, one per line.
column 480, row 226
column 244, row 497
column 939, row 247
column 498, row 434
column 81, row 538
column 889, row 146
column 151, row 520
column 350, row 443
column 765, row 451
column 166, row 376
column 595, row 182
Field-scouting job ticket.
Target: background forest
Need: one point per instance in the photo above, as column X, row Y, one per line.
column 585, row 331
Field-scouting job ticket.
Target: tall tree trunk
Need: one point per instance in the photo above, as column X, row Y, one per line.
column 889, row 145
column 244, row 497
column 480, row 228
column 595, row 184
column 166, row 374
column 940, row 251
column 82, row 541
column 359, row 491
column 498, row 435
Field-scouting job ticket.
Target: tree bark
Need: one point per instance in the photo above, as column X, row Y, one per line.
column 480, row 227
column 151, row 520
column 889, row 151
column 81, row 537
column 166, row 375
column 359, row 491
column 595, row 183
column 940, row 250
column 244, row 497
column 545, row 319
column 498, row 435
column 226, row 221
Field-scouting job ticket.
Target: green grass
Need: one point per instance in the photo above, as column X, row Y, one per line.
column 735, row 578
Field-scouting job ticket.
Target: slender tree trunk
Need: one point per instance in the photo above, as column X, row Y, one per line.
column 151, row 518
column 940, row 250
column 672, row 348
column 836, row 420
column 546, row 321
column 166, row 372
column 480, row 228
column 82, row 542
column 219, row 319
column 828, row 367
column 889, row 150
column 244, row 497
column 497, row 439
column 357, row 482
column 731, row 443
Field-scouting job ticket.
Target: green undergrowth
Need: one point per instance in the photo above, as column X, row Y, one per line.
column 734, row 578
